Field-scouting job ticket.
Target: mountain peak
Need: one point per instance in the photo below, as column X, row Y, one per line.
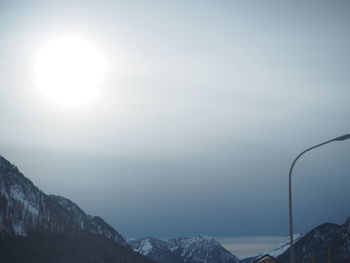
column 195, row 249
column 5, row 162
column 195, row 239
column 204, row 237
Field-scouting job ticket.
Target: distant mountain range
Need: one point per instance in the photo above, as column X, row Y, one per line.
column 187, row 249
column 37, row 228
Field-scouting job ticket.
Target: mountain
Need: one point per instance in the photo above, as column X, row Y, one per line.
column 28, row 214
column 274, row 252
column 155, row 249
column 325, row 243
column 281, row 247
column 202, row 249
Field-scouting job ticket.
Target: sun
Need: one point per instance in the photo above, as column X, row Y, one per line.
column 69, row 71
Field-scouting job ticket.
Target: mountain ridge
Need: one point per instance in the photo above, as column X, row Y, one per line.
column 196, row 249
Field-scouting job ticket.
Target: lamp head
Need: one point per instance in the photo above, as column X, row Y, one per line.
column 342, row 138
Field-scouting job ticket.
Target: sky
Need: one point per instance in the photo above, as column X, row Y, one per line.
column 202, row 109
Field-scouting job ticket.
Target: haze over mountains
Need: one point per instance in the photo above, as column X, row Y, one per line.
column 36, row 227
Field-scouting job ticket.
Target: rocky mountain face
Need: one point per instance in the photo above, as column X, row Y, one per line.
column 202, row 249
column 26, row 213
column 325, row 243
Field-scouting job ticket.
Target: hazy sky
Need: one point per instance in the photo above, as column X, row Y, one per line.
column 203, row 108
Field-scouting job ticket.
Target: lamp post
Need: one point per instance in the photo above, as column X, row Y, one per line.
column 291, row 251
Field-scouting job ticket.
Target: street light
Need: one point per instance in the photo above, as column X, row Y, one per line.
column 341, row 138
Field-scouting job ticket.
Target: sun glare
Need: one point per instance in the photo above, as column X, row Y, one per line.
column 69, row 71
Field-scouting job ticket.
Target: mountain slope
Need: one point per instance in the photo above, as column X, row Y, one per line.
column 274, row 252
column 24, row 208
column 325, row 243
column 191, row 250
column 281, row 247
column 30, row 218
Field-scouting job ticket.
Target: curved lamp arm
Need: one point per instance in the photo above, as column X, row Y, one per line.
column 341, row 138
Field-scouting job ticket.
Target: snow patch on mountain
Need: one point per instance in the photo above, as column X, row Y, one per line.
column 145, row 247
column 18, row 195
column 281, row 247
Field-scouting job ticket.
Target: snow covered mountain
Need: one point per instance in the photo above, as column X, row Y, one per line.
column 202, row 249
column 281, row 247
column 325, row 243
column 155, row 249
column 275, row 252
